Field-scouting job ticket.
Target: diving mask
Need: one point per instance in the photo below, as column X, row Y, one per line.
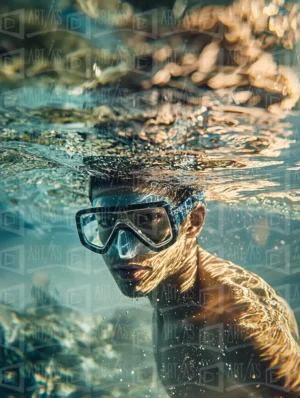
column 132, row 223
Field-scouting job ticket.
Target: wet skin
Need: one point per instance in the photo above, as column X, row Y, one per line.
column 201, row 349
column 127, row 273
column 202, row 345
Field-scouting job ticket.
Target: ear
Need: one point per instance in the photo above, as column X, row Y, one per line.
column 196, row 217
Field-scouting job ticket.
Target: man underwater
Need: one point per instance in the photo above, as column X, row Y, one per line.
column 218, row 330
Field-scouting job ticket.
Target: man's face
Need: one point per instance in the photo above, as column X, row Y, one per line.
column 131, row 270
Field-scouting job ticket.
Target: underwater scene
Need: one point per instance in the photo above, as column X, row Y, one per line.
column 150, row 199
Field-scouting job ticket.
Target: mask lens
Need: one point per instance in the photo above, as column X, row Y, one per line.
column 97, row 227
column 153, row 224
column 106, row 222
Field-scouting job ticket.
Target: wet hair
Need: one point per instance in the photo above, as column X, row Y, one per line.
column 111, row 171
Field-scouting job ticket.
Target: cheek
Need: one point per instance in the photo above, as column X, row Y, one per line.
column 108, row 260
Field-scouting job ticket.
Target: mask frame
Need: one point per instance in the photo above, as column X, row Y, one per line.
column 176, row 215
column 124, row 226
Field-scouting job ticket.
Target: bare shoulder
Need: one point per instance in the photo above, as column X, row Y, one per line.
column 260, row 310
column 248, row 287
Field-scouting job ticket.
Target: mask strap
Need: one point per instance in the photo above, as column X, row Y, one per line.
column 181, row 211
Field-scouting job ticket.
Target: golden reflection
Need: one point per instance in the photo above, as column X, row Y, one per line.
column 229, row 47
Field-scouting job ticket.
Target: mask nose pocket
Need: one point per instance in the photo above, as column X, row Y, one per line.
column 126, row 245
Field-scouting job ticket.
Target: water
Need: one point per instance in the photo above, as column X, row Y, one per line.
column 66, row 328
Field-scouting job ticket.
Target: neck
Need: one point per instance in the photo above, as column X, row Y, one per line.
column 180, row 288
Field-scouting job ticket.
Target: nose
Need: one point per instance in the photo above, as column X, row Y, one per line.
column 126, row 245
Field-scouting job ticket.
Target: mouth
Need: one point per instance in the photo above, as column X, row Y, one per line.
column 131, row 271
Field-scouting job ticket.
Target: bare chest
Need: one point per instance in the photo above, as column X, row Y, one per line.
column 195, row 359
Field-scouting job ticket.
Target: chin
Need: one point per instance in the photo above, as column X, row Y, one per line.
column 128, row 288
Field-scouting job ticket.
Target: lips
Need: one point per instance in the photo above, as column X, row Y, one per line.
column 130, row 271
